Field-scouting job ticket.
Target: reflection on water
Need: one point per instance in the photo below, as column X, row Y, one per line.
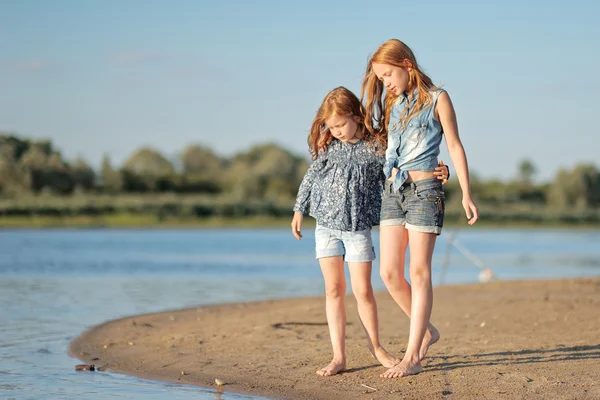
column 54, row 284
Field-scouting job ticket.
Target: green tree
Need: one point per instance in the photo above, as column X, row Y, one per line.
column 34, row 159
column 83, row 175
column 202, row 170
column 10, row 175
column 526, row 172
column 57, row 175
column 110, row 179
column 265, row 171
column 148, row 170
column 13, row 147
column 33, row 163
column 579, row 188
column 558, row 197
column 585, row 183
column 147, row 161
column 199, row 160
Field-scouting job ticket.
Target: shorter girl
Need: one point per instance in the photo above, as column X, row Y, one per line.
column 342, row 190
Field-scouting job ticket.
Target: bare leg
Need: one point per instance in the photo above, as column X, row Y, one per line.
column 360, row 274
column 421, row 251
column 393, row 244
column 335, row 290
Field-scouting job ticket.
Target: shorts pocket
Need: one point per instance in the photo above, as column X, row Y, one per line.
column 433, row 202
column 391, row 206
column 322, row 237
column 360, row 242
column 431, row 194
column 438, row 198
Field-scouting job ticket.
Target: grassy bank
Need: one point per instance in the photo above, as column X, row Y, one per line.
column 123, row 220
column 139, row 221
column 172, row 210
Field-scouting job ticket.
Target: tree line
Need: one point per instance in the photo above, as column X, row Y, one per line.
column 34, row 167
column 263, row 175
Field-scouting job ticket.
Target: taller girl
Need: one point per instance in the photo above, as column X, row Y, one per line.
column 408, row 115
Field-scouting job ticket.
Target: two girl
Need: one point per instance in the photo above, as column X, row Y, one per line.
column 342, row 190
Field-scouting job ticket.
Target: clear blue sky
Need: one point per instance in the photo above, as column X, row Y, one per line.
column 110, row 76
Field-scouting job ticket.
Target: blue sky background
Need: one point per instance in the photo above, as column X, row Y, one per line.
column 110, row 76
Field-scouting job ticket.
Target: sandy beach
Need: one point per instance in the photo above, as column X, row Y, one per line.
column 501, row 340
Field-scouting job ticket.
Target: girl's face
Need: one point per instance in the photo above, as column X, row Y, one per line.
column 343, row 127
column 395, row 79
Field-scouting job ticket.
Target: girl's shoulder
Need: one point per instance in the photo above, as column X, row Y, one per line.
column 435, row 92
column 363, row 146
column 332, row 147
column 370, row 152
column 374, row 146
column 369, row 145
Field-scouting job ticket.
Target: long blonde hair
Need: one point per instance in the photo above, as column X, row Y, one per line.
column 377, row 110
column 340, row 101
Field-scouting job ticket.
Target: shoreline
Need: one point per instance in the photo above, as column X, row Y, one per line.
column 506, row 339
column 151, row 222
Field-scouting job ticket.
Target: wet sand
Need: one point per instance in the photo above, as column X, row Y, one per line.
column 501, row 340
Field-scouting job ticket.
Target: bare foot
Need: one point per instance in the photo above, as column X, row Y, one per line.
column 405, row 368
column 334, row 367
column 432, row 335
column 385, row 358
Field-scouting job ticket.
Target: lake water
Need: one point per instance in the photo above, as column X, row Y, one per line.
column 54, row 284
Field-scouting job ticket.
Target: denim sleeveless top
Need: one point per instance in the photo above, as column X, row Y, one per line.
column 415, row 147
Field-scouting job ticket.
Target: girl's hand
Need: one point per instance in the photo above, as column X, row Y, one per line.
column 442, row 172
column 297, row 225
column 470, row 209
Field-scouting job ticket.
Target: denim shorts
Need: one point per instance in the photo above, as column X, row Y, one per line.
column 418, row 206
column 354, row 246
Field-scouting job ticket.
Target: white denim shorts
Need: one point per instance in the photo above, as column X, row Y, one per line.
column 354, row 246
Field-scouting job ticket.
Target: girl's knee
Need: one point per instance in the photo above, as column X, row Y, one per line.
column 393, row 277
column 362, row 292
column 335, row 291
column 420, row 274
column 387, row 275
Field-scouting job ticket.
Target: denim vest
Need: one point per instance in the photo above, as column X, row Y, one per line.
column 418, row 145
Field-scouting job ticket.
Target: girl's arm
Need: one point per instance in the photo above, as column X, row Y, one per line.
column 447, row 117
column 303, row 197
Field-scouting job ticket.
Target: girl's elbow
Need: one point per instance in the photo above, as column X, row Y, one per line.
column 454, row 145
